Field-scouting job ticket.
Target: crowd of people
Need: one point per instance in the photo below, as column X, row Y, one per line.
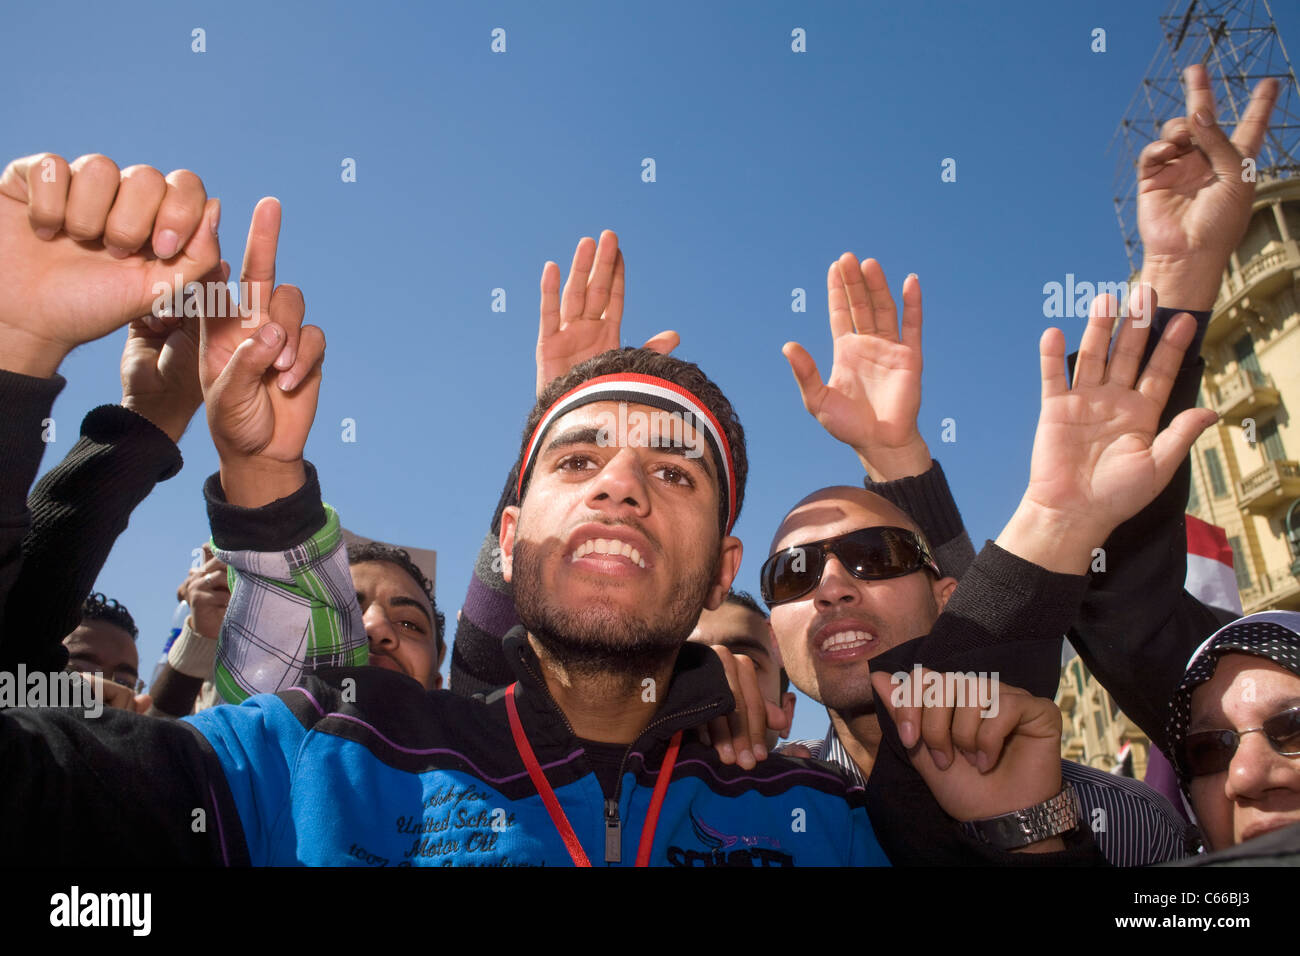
column 612, row 699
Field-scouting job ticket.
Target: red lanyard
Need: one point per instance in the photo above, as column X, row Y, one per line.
column 552, row 803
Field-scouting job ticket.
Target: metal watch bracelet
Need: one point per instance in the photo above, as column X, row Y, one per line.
column 1020, row 828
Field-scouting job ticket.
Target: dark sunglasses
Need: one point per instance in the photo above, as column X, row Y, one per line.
column 869, row 554
column 1211, row 751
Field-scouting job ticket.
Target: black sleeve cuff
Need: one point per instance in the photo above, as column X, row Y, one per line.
column 129, row 430
column 1162, row 318
column 283, row 524
column 927, row 499
column 26, row 402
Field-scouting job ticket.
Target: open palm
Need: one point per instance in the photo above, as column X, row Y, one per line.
column 1099, row 456
column 873, row 395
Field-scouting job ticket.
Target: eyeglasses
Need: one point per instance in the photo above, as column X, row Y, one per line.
column 1211, row 751
column 869, row 554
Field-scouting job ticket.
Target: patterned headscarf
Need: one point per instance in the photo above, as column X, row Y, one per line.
column 1274, row 635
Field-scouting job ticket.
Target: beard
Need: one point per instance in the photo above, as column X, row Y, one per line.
column 600, row 638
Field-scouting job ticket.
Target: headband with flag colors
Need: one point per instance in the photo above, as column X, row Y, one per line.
column 637, row 389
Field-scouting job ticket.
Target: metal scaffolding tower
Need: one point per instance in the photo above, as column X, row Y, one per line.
column 1239, row 45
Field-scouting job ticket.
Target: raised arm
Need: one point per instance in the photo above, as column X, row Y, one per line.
column 1138, row 627
column 84, row 249
column 292, row 604
column 873, row 397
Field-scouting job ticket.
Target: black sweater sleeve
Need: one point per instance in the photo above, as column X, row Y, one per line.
column 26, row 402
column 78, row 510
column 119, row 789
column 1007, row 617
column 928, row 500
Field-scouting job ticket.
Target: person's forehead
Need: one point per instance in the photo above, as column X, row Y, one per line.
column 729, row 621
column 1240, row 680
column 379, row 579
column 101, row 638
column 835, row 511
column 622, row 424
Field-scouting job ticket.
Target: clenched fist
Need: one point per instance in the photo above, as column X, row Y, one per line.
column 84, row 248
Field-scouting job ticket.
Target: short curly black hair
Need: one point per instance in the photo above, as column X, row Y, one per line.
column 97, row 607
column 647, row 362
column 374, row 551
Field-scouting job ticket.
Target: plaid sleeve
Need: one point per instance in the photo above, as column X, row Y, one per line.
column 290, row 613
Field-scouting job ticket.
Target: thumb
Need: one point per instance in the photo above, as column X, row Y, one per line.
column 1173, row 444
column 251, row 360
column 806, row 375
column 200, row 255
column 664, row 342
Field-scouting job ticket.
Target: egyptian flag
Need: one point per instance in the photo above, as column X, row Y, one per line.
column 1210, row 578
column 1124, row 761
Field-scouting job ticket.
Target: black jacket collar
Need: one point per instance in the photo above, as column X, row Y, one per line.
column 697, row 693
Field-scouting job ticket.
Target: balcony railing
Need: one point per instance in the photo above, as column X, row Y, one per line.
column 1243, row 393
column 1273, row 589
column 1268, row 488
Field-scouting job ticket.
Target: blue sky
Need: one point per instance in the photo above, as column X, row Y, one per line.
column 474, row 168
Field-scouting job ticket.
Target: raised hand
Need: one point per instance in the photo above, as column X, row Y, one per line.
column 1194, row 198
column 160, row 366
column 86, row 248
column 261, row 373
column 874, row 393
column 741, row 736
column 980, row 762
column 1098, row 456
column 585, row 322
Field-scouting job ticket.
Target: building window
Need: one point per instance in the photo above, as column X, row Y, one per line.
column 1193, row 499
column 1239, row 564
column 1271, row 441
column 1101, row 726
column 1247, row 360
column 1212, row 464
column 1261, row 231
column 1078, row 675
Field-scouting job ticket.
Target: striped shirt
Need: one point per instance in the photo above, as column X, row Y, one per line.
column 1133, row 824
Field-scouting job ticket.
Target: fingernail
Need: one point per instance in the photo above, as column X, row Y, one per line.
column 1204, row 118
column 760, row 752
column 225, row 271
column 45, row 232
column 117, row 252
column 166, row 244
column 982, row 761
column 746, row 760
column 216, row 216
column 970, row 757
column 728, row 755
column 940, row 759
column 269, row 334
column 285, row 359
column 907, row 734
column 286, row 382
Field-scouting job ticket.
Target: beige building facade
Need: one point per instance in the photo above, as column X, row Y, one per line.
column 1245, row 475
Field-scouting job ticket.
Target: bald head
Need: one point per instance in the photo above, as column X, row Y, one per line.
column 835, row 505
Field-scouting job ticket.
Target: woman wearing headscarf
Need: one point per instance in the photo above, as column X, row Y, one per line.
column 1234, row 733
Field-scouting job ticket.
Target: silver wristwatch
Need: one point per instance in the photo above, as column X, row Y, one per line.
column 1019, row 828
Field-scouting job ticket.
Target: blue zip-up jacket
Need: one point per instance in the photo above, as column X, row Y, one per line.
column 363, row 766
column 403, row 776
